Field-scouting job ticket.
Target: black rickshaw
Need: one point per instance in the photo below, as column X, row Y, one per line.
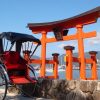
column 14, row 69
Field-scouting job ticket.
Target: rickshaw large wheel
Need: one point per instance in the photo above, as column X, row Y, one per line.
column 29, row 89
column 3, row 85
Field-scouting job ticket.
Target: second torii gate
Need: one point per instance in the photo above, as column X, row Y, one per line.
column 60, row 30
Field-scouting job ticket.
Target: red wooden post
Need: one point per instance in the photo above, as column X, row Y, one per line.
column 69, row 62
column 80, row 35
column 43, row 55
column 94, row 64
column 55, row 66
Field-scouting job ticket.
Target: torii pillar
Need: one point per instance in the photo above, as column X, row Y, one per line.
column 80, row 35
column 43, row 55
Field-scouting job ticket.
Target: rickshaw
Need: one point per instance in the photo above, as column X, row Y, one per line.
column 14, row 69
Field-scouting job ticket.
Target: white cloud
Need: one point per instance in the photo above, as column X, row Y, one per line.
column 49, row 36
column 61, row 45
column 95, row 40
column 74, row 43
column 69, row 43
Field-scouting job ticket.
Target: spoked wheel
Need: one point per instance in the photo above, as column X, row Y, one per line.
column 3, row 85
column 30, row 89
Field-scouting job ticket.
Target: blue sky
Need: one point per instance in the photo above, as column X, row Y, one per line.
column 16, row 14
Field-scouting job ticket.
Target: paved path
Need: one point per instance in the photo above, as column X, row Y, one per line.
column 19, row 97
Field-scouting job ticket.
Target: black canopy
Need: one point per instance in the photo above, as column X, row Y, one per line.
column 18, row 37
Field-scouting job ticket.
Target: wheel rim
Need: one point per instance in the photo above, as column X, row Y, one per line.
column 3, row 86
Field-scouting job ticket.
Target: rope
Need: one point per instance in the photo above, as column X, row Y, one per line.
column 34, row 50
column 6, row 46
column 4, row 42
column 31, row 46
column 28, row 46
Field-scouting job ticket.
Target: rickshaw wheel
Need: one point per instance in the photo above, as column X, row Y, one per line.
column 29, row 89
column 3, row 85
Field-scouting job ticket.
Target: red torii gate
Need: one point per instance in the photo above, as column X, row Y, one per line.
column 58, row 27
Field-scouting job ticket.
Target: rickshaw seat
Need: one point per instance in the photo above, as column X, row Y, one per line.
column 17, row 68
column 13, row 60
column 21, row 80
column 15, row 64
